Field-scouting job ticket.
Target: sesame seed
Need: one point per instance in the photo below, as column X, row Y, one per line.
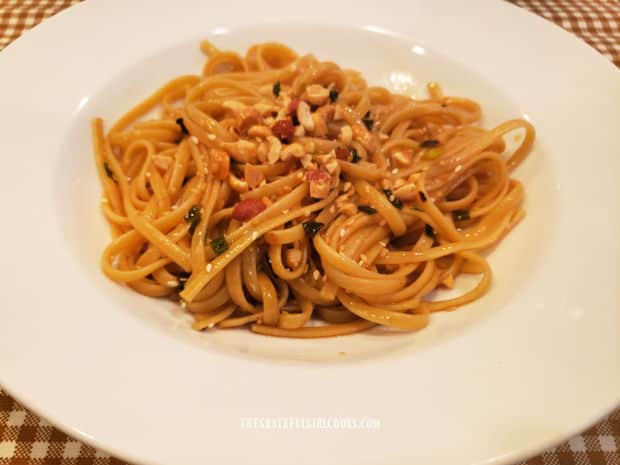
column 209, row 267
column 211, row 136
column 210, row 325
column 183, row 304
column 343, row 232
column 347, row 186
column 332, row 209
column 316, row 275
column 254, row 235
column 363, row 257
column 172, row 283
column 395, row 171
column 458, row 168
column 194, row 139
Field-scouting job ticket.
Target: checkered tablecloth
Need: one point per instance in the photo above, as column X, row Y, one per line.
column 27, row 439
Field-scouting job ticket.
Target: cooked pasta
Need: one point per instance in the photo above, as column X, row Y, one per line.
column 282, row 193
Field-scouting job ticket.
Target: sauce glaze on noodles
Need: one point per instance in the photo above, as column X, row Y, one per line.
column 283, row 193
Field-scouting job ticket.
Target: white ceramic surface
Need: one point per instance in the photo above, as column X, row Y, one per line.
column 534, row 361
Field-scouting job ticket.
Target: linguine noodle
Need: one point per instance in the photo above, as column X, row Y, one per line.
column 282, row 193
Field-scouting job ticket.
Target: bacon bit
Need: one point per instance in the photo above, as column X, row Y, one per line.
column 247, row 209
column 283, row 129
column 292, row 107
column 317, row 176
column 342, row 153
column 319, row 183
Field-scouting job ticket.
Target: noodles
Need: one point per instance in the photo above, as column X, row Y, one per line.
column 281, row 193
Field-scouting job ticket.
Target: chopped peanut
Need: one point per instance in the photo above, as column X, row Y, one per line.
column 293, row 150
column 219, row 164
column 242, row 150
column 320, row 126
column 316, row 94
column 305, row 116
column 299, row 131
column 275, row 146
column 253, row 176
column 259, row 131
column 346, row 134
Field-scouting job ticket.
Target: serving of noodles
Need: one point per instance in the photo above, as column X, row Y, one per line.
column 282, row 193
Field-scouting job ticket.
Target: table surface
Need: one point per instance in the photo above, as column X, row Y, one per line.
column 26, row 438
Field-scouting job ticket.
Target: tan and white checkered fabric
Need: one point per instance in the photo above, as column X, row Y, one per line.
column 595, row 21
column 18, row 15
column 26, row 439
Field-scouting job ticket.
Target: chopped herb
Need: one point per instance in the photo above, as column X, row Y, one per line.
column 333, row 95
column 295, row 120
column 432, row 154
column 312, row 227
column 429, row 143
column 185, row 179
column 288, row 224
column 367, row 209
column 368, row 121
column 109, row 172
column 422, row 196
column 193, row 217
column 460, row 215
column 355, row 157
column 392, row 198
column 276, row 88
column 429, row 231
column 219, row 245
column 182, row 126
